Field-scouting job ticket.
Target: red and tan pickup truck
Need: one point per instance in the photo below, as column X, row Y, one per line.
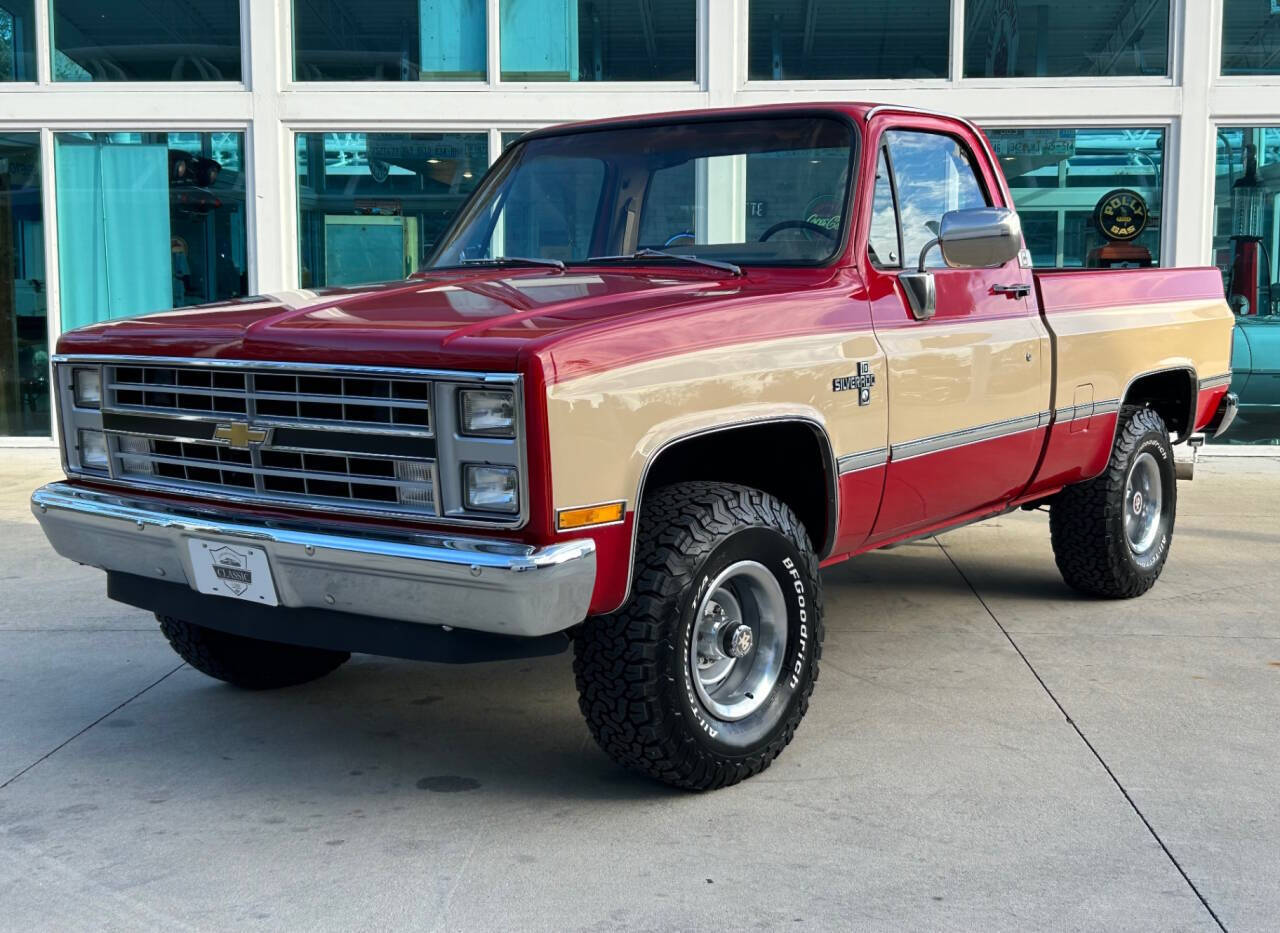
column 657, row 373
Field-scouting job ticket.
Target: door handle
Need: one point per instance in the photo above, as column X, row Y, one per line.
column 1016, row 290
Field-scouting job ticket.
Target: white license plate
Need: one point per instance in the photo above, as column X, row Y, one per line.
column 234, row 570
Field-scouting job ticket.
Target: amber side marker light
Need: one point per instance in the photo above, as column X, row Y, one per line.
column 590, row 515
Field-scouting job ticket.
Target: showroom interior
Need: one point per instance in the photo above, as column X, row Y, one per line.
column 156, row 154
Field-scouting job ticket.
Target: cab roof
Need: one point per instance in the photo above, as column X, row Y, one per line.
column 857, row 111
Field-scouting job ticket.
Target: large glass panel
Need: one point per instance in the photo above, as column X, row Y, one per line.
column 790, row 40
column 24, row 334
column 749, row 191
column 140, row 40
column 17, row 41
column 372, row 205
column 598, row 40
column 1087, row 197
column 148, row 221
column 389, row 40
column 1246, row 246
column 1250, row 37
column 1052, row 38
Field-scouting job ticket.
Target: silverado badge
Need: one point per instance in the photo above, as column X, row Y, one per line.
column 863, row 382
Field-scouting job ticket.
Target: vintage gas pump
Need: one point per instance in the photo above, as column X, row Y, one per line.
column 1248, row 204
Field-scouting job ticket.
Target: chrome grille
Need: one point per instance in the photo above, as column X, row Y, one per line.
column 372, row 402
column 339, row 438
column 316, row 437
column 374, row 481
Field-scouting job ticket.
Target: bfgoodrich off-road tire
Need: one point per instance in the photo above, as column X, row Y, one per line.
column 1111, row 535
column 247, row 662
column 661, row 683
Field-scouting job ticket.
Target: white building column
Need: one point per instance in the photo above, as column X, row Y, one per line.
column 722, row 39
column 1189, row 174
column 271, row 223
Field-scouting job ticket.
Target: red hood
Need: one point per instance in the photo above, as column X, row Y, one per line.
column 464, row 319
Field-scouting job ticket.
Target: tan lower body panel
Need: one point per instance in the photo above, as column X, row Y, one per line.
column 1109, row 348
column 605, row 427
column 948, row 379
column 951, row 384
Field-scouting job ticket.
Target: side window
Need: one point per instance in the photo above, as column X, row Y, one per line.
column 882, row 241
column 933, row 174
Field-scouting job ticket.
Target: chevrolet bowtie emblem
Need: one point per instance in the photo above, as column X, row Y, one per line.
column 240, row 435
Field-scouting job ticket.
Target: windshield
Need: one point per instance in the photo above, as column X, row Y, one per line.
column 752, row 192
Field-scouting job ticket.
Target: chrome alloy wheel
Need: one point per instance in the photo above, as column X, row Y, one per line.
column 739, row 639
column 1143, row 504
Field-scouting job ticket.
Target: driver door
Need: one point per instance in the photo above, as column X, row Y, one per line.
column 968, row 392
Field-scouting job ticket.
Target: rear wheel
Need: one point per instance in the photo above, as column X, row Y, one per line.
column 247, row 662
column 701, row 679
column 1111, row 535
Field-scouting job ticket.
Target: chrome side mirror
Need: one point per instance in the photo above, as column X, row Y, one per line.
column 977, row 238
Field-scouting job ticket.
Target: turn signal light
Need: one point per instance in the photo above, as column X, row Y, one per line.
column 590, row 515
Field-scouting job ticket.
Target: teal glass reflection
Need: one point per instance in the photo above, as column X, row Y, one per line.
column 1250, row 37
column 371, row 206
column 147, row 223
column 24, row 323
column 1102, row 38
column 390, row 40
column 1246, row 248
column 1059, row 177
column 17, row 41
column 598, row 40
column 872, row 39
column 140, row 40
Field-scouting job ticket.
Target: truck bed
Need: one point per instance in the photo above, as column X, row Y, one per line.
column 1108, row 329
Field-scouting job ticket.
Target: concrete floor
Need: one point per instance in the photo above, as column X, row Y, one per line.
column 936, row 783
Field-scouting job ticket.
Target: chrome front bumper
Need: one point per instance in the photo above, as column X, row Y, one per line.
column 487, row 585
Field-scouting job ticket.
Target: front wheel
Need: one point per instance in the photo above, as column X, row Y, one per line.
column 247, row 662
column 1111, row 535
column 701, row 679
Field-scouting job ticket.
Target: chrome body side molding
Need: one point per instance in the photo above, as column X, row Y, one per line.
column 865, row 460
column 1076, row 412
column 974, row 435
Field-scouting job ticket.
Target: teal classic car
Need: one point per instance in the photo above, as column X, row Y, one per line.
column 1255, row 364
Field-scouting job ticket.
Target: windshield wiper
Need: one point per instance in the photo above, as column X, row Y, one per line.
column 515, row 261
column 642, row 254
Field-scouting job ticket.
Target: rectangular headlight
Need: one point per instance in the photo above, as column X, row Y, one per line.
column 88, row 387
column 488, row 412
column 93, row 449
column 491, row 488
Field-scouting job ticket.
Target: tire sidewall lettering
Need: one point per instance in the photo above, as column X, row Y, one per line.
column 1156, row 445
column 780, row 556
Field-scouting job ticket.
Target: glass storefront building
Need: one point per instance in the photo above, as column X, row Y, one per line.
column 157, row 155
